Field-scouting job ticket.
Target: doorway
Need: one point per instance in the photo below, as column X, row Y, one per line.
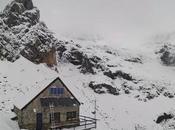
column 39, row 122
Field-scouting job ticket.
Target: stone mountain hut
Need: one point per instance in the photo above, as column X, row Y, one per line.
column 52, row 107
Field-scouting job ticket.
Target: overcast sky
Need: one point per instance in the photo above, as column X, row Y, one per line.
column 121, row 21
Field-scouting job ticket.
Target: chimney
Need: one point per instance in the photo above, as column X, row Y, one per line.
column 50, row 58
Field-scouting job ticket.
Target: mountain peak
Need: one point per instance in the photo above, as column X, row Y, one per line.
column 18, row 12
column 28, row 4
column 22, row 32
column 18, row 6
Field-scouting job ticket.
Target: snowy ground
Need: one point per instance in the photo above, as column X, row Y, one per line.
column 119, row 112
column 122, row 112
column 19, row 82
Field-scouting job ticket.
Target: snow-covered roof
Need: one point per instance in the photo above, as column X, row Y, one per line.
column 25, row 79
column 23, row 99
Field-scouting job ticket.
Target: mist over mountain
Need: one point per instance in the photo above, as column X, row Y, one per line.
column 122, row 22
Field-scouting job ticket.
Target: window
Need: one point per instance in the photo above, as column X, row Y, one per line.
column 71, row 115
column 55, row 117
column 56, row 91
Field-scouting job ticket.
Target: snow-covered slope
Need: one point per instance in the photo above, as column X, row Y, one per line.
column 135, row 103
column 19, row 82
column 132, row 87
column 20, row 78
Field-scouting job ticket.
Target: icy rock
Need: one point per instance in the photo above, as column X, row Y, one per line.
column 28, row 4
column 167, row 54
column 164, row 117
column 168, row 94
column 21, row 32
column 77, row 57
column 99, row 88
column 16, row 8
column 134, row 60
column 118, row 74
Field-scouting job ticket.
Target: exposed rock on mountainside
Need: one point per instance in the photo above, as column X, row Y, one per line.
column 118, row 74
column 78, row 58
column 164, row 117
column 134, row 60
column 167, row 54
column 99, row 88
column 166, row 120
column 18, row 12
column 22, row 32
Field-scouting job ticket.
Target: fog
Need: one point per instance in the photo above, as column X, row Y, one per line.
column 124, row 22
column 3, row 3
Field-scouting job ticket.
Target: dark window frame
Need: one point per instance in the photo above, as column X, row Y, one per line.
column 57, row 116
column 71, row 115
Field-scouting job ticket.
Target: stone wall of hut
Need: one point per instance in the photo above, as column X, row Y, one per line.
column 27, row 117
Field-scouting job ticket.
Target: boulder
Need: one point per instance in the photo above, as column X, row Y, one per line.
column 118, row 74
column 167, row 54
column 99, row 88
column 28, row 4
column 164, row 117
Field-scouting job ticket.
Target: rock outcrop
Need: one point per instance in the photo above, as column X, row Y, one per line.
column 118, row 74
column 167, row 54
column 22, row 32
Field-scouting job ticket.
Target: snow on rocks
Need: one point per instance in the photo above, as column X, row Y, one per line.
column 167, row 54
column 22, row 32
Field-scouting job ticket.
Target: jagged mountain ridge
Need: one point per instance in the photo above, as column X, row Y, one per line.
column 24, row 34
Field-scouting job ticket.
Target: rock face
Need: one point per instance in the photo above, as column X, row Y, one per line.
column 21, row 32
column 86, row 64
column 16, row 13
column 164, row 118
column 135, row 60
column 99, row 88
column 28, row 4
column 118, row 74
column 167, row 54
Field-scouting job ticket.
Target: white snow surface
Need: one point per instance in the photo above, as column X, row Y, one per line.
column 123, row 112
column 23, row 80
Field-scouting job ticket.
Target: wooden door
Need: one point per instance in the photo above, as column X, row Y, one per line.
column 39, row 121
